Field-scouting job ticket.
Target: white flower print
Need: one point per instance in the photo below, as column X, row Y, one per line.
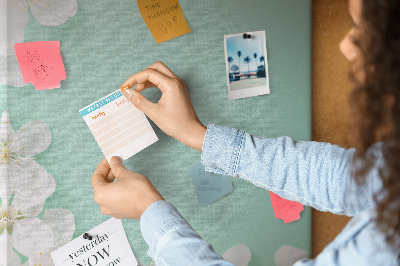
column 13, row 20
column 25, row 205
column 36, row 238
column 8, row 257
column 19, row 172
column 25, row 187
column 22, row 208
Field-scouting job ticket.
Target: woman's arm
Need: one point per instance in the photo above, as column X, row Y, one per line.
column 172, row 241
column 312, row 173
column 315, row 174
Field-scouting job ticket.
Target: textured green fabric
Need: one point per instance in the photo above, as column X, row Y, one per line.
column 106, row 42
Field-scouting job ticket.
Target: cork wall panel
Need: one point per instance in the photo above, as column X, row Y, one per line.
column 331, row 88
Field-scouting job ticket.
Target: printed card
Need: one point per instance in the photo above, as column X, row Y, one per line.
column 118, row 126
column 109, row 246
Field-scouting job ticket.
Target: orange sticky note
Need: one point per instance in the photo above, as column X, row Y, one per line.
column 284, row 209
column 41, row 63
column 164, row 18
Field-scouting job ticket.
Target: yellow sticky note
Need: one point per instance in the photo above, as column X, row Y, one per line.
column 164, row 18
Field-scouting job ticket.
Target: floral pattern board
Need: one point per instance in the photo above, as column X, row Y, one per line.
column 103, row 44
column 25, row 187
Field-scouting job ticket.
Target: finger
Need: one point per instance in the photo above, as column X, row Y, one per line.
column 117, row 167
column 100, row 174
column 142, row 86
column 160, row 67
column 105, row 210
column 140, row 102
column 159, row 80
column 110, row 177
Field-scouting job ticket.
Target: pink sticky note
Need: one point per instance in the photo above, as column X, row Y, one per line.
column 41, row 63
column 284, row 209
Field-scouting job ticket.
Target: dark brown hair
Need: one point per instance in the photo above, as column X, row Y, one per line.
column 376, row 108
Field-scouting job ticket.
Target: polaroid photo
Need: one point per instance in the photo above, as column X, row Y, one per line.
column 246, row 64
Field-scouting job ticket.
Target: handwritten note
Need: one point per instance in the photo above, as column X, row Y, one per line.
column 41, row 63
column 119, row 128
column 209, row 186
column 164, row 18
column 284, row 209
column 108, row 247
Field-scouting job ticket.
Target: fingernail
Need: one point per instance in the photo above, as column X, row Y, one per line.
column 129, row 92
column 124, row 88
column 115, row 160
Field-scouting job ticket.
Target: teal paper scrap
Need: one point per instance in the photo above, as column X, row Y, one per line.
column 209, row 186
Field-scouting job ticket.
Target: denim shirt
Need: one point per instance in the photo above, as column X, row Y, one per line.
column 312, row 173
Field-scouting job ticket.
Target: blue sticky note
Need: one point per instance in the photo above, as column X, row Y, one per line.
column 209, row 186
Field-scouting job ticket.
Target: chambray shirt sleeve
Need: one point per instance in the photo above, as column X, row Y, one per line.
column 172, row 241
column 312, row 173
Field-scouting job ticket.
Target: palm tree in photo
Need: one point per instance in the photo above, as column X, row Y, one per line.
column 262, row 59
column 239, row 54
column 230, row 60
column 247, row 60
column 255, row 57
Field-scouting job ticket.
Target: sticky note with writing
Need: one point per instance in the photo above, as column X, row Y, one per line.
column 284, row 209
column 164, row 18
column 118, row 126
column 41, row 63
column 209, row 186
column 108, row 247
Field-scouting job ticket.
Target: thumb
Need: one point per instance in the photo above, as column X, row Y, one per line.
column 138, row 100
column 117, row 168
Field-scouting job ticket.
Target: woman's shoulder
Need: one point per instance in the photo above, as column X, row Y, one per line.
column 363, row 238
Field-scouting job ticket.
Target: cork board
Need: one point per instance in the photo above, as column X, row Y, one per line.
column 331, row 89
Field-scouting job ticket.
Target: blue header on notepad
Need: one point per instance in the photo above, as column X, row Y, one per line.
column 100, row 103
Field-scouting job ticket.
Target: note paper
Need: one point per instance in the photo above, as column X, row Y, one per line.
column 108, row 247
column 164, row 18
column 118, row 126
column 209, row 186
column 284, row 209
column 41, row 63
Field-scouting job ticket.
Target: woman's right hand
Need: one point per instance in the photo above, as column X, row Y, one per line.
column 174, row 112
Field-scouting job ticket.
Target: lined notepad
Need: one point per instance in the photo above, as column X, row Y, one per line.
column 119, row 128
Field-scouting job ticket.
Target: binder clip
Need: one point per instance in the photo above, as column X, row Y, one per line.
column 246, row 36
column 87, row 236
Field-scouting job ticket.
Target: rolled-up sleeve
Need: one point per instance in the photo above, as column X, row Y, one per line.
column 313, row 173
column 172, row 241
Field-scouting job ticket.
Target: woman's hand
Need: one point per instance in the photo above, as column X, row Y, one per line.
column 127, row 197
column 173, row 113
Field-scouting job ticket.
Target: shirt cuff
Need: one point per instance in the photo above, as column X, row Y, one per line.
column 222, row 148
column 158, row 219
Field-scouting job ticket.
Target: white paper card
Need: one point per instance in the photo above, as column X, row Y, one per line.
column 108, row 247
column 118, row 126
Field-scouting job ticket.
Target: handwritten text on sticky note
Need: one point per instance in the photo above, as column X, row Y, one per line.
column 41, row 63
column 209, row 186
column 284, row 209
column 108, row 246
column 164, row 18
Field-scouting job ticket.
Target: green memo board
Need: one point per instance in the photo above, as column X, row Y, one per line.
column 106, row 42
